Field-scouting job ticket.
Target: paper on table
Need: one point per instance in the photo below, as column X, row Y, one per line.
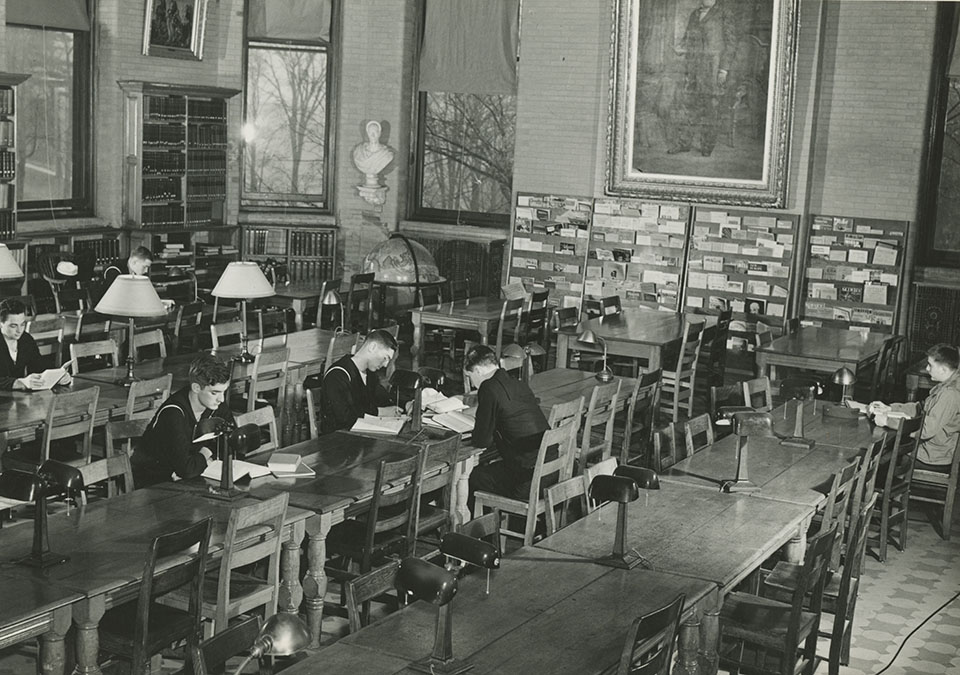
column 241, row 469
column 379, row 425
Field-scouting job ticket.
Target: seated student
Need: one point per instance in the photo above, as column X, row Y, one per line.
column 351, row 386
column 138, row 263
column 20, row 361
column 941, row 422
column 508, row 418
column 167, row 446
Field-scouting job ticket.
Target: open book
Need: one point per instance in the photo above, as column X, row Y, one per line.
column 390, row 426
column 456, row 421
column 50, row 377
column 241, row 470
column 437, row 402
column 289, row 465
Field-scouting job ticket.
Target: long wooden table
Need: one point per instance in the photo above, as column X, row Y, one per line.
column 107, row 542
column 546, row 613
column 298, row 296
column 824, row 350
column 636, row 333
column 560, row 385
column 477, row 314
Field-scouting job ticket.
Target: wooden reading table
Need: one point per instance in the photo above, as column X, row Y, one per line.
column 480, row 314
column 824, row 350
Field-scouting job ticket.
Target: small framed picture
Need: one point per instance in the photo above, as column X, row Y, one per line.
column 174, row 28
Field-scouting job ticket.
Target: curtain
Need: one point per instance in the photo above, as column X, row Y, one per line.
column 289, row 19
column 56, row 14
column 470, row 46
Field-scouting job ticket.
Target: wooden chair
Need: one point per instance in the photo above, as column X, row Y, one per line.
column 437, row 342
column 834, row 515
column 265, row 419
column 569, row 411
column 48, row 334
column 436, row 517
column 148, row 339
column 269, row 377
column 224, row 334
column 533, row 327
column 759, row 387
column 29, row 302
column 559, row 443
column 318, row 317
column 896, row 475
column 359, row 308
column 186, row 328
column 563, row 317
column 376, row 583
column 313, row 411
column 648, row 648
column 677, row 384
column 511, row 314
column 126, row 431
column 114, row 472
column 762, row 338
column 885, row 371
column 596, row 440
column 225, row 311
column 698, row 429
column 604, row 468
column 340, row 346
column 786, row 629
column 666, row 448
column 136, row 631
column 146, row 396
column 94, row 354
column 713, row 349
column 720, row 397
column 557, row 499
column 933, row 487
column 213, row 653
column 271, row 321
column 865, row 484
column 641, row 416
column 254, row 537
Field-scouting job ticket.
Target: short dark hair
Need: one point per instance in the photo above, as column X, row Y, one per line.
column 11, row 306
column 208, row 370
column 382, row 338
column 479, row 355
column 141, row 252
column 945, row 355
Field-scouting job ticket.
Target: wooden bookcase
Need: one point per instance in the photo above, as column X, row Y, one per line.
column 310, row 254
column 637, row 251
column 854, row 272
column 8, row 153
column 175, row 144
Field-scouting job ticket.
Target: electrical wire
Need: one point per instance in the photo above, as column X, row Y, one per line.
column 919, row 626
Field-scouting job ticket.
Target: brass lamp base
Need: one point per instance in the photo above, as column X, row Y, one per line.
column 738, row 485
column 43, row 560
column 438, row 667
column 227, row 495
column 605, row 375
column 627, row 561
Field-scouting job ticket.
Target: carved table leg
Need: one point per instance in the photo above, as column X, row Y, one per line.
column 709, row 642
column 52, row 646
column 315, row 580
column 461, row 514
column 795, row 549
column 687, row 646
column 417, row 345
column 290, row 594
column 87, row 614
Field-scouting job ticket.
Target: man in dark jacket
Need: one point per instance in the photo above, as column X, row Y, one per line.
column 351, row 386
column 20, row 360
column 167, row 446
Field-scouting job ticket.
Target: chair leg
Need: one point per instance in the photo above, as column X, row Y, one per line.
column 884, row 532
column 903, row 523
column 945, row 523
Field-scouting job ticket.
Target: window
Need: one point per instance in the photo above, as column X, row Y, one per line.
column 465, row 156
column 286, row 154
column 53, row 175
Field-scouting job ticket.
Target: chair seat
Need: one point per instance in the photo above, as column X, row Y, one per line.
column 783, row 579
column 347, row 538
column 760, row 620
column 165, row 626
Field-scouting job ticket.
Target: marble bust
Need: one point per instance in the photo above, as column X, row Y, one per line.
column 372, row 157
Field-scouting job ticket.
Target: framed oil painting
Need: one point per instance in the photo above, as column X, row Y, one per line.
column 174, row 28
column 701, row 100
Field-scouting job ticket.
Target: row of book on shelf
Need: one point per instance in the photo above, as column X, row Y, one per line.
column 6, row 101
column 105, row 251
column 7, row 130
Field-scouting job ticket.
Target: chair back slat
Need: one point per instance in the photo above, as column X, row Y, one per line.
column 146, row 396
column 72, row 414
column 557, row 498
column 95, row 350
column 698, row 434
column 566, row 411
column 267, row 421
column 223, row 334
column 269, row 376
column 373, row 584
column 601, row 413
column 758, row 394
column 649, row 645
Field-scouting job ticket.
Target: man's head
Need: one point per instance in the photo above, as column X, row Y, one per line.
column 13, row 319
column 209, row 379
column 942, row 362
column 139, row 261
column 480, row 363
column 377, row 350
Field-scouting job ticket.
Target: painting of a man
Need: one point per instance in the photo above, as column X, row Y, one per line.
column 172, row 23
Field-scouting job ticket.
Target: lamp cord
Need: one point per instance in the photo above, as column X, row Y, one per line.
column 919, row 626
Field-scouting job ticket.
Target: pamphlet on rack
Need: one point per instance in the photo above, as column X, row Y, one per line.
column 241, row 470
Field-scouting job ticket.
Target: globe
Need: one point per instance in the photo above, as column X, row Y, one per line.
column 392, row 262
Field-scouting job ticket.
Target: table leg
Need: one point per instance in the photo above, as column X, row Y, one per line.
column 688, row 643
column 653, row 362
column 913, row 385
column 53, row 653
column 290, row 594
column 460, row 514
column 483, row 327
column 299, row 305
column 87, row 614
column 710, row 642
column 417, row 345
column 761, row 359
column 315, row 580
column 796, row 548
column 562, row 348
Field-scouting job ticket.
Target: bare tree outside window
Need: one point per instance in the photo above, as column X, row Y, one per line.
column 947, row 235
column 466, row 159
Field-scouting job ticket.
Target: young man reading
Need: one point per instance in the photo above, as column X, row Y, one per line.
column 20, row 360
column 351, row 386
column 167, row 446
column 138, row 263
column 941, row 422
column 508, row 418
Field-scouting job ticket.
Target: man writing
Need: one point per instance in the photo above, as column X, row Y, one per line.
column 508, row 418
column 167, row 446
column 351, row 386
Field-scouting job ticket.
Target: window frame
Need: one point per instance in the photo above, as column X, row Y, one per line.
column 301, row 202
column 81, row 204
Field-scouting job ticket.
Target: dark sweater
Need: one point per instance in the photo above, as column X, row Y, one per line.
column 344, row 397
column 167, row 446
column 29, row 360
column 509, row 416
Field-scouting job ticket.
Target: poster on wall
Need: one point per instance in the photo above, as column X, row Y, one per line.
column 174, row 28
column 701, row 100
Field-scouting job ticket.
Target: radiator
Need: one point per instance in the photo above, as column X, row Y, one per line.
column 479, row 263
column 936, row 317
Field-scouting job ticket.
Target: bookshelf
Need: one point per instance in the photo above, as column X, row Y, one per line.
column 854, row 272
column 175, row 145
column 8, row 154
column 310, row 254
column 637, row 251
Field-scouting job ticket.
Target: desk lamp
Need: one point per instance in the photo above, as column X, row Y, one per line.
column 424, row 581
column 464, row 550
column 407, row 380
column 9, row 269
column 132, row 297
column 331, row 298
column 846, row 379
column 622, row 490
column 51, row 478
column 281, row 635
column 243, row 280
column 525, row 354
column 589, row 337
column 745, row 425
column 231, row 443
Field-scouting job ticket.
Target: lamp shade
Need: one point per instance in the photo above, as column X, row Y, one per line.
column 9, row 269
column 588, row 337
column 244, row 280
column 426, row 581
column 287, row 634
column 620, row 489
column 646, row 479
column 330, row 298
column 131, row 296
column 844, row 377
